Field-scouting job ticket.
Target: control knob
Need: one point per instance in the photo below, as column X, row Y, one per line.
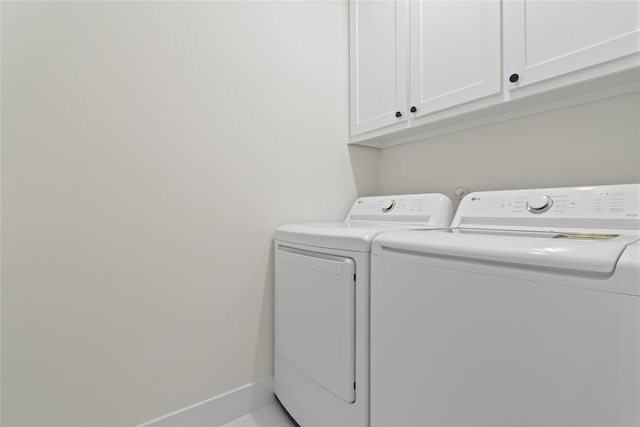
column 387, row 205
column 539, row 204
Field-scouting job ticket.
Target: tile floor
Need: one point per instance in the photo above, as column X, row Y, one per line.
column 269, row 416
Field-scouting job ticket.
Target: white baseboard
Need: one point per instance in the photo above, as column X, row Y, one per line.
column 220, row 409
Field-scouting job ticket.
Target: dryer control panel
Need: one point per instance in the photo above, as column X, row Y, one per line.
column 431, row 208
column 614, row 206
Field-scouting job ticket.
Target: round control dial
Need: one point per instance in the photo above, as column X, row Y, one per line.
column 387, row 205
column 539, row 204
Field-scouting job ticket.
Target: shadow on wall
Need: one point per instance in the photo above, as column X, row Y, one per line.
column 596, row 143
column 365, row 166
column 264, row 343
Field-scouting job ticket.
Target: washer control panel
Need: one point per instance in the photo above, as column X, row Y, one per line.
column 602, row 203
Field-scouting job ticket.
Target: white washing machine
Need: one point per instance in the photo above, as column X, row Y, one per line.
column 321, row 358
column 525, row 313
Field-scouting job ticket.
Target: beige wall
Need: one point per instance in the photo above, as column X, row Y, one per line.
column 589, row 144
column 149, row 150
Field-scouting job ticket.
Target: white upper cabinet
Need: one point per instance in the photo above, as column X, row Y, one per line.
column 546, row 39
column 421, row 68
column 378, row 66
column 454, row 51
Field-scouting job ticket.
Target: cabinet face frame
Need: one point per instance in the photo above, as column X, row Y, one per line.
column 397, row 25
column 517, row 50
column 483, row 78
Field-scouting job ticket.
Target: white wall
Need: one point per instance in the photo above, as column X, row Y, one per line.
column 148, row 152
column 589, row 144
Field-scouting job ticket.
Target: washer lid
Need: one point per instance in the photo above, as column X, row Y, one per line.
column 338, row 235
column 581, row 253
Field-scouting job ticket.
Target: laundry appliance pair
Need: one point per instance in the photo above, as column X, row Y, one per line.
column 524, row 312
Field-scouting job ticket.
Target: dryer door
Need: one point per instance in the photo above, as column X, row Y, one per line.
column 315, row 317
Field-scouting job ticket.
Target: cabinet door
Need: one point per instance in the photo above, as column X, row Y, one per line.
column 378, row 64
column 545, row 39
column 455, row 52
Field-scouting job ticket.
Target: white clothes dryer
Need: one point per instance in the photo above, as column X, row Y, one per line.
column 525, row 313
column 321, row 357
